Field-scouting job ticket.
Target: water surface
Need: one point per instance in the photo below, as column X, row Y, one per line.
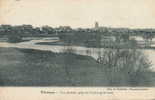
column 93, row 52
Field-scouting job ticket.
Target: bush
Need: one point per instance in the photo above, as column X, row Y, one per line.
column 125, row 67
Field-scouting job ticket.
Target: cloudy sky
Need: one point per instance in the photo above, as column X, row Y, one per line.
column 79, row 13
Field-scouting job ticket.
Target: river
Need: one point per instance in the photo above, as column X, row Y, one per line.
column 93, row 52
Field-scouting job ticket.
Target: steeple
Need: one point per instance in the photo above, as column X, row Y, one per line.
column 96, row 25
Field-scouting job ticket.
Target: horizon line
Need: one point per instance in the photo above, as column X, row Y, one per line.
column 100, row 26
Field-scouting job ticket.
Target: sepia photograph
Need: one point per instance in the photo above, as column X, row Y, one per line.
column 77, row 43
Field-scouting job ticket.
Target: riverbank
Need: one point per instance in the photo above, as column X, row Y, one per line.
column 28, row 67
column 60, row 43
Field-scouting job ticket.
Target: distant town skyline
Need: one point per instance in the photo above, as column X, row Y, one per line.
column 79, row 13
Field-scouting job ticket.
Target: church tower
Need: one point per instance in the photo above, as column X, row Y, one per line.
column 96, row 25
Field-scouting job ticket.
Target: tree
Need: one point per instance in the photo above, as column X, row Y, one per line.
column 125, row 67
column 47, row 30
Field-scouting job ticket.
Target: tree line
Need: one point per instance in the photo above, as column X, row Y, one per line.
column 29, row 29
column 68, row 34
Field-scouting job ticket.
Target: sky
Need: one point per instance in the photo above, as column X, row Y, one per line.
column 79, row 13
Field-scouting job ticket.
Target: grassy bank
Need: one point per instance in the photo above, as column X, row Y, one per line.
column 27, row 67
column 39, row 68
